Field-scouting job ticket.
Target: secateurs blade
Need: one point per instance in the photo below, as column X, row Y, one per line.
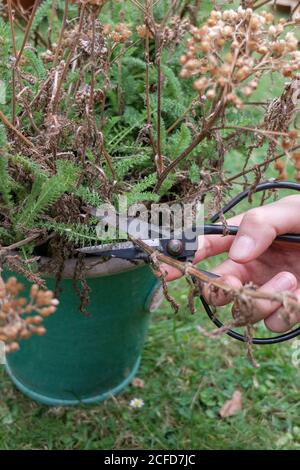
column 183, row 246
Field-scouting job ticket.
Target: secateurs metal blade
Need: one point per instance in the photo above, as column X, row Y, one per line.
column 183, row 246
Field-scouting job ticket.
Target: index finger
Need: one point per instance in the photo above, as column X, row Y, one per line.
column 209, row 245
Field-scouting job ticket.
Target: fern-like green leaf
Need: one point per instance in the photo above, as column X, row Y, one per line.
column 3, row 137
column 47, row 192
column 173, row 86
column 171, row 108
column 79, row 234
column 119, row 137
column 134, row 62
column 179, row 141
column 5, row 54
column 41, row 14
column 35, row 63
column 5, row 181
column 134, row 198
column 139, row 191
column 29, row 165
column 163, row 133
column 194, row 173
column 5, row 236
column 146, row 183
column 88, row 196
column 167, row 184
column 125, row 164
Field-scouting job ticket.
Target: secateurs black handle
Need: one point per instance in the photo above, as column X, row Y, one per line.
column 287, row 237
column 220, row 229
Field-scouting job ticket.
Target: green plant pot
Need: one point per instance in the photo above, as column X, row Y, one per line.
column 86, row 359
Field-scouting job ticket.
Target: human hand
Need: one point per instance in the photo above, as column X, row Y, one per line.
column 253, row 256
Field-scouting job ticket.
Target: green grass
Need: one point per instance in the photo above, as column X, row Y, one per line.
column 187, row 378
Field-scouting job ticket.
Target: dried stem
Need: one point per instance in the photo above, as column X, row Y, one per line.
column 159, row 162
column 295, row 8
column 147, row 82
column 190, row 270
column 260, row 4
column 252, row 129
column 201, row 136
column 68, row 61
column 92, row 95
column 19, row 134
column 27, row 31
column 138, row 5
column 109, row 162
column 260, row 165
column 19, row 244
column 61, row 34
column 182, row 116
column 13, row 40
column 52, row 17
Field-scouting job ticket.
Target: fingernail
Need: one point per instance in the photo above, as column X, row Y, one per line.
column 284, row 282
column 277, row 323
column 242, row 248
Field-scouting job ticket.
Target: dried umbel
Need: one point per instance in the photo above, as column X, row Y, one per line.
column 231, row 51
column 280, row 167
column 121, row 33
column 143, row 31
column 21, row 318
column 170, row 35
column 89, row 41
column 176, row 30
column 278, row 118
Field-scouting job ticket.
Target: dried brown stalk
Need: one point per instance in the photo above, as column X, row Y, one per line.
column 13, row 40
column 61, row 33
column 27, row 31
column 19, row 134
column 188, row 269
column 197, row 140
column 19, row 244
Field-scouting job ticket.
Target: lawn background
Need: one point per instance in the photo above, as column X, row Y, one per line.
column 187, row 378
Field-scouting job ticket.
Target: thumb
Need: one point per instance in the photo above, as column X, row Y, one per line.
column 260, row 227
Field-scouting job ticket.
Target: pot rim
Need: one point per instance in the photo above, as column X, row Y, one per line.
column 94, row 266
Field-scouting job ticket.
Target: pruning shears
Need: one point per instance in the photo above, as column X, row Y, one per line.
column 184, row 247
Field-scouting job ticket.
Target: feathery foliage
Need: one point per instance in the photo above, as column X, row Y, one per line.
column 90, row 197
column 43, row 12
column 46, row 191
column 79, row 234
column 5, row 182
column 84, row 106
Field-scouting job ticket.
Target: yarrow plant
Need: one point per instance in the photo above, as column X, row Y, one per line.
column 154, row 101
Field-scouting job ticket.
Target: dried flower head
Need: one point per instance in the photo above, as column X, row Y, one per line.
column 121, row 33
column 20, row 318
column 143, row 31
column 232, row 49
